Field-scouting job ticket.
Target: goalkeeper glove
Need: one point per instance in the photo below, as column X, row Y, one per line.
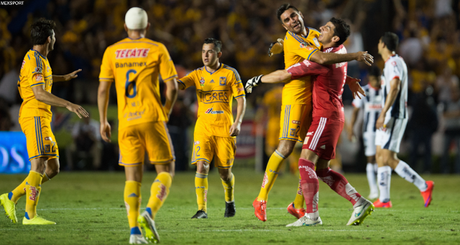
column 252, row 83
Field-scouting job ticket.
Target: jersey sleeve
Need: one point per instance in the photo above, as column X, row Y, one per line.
column 237, row 85
column 357, row 102
column 35, row 72
column 188, row 80
column 167, row 68
column 300, row 47
column 306, row 68
column 106, row 74
column 394, row 71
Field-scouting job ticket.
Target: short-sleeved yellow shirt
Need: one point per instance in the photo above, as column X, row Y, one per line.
column 135, row 65
column 215, row 92
column 296, row 49
column 35, row 71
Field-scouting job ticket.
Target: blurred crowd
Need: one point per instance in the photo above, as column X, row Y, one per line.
column 428, row 29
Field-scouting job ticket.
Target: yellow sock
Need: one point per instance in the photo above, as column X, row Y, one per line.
column 201, row 189
column 159, row 192
column 271, row 173
column 299, row 200
column 132, row 196
column 228, row 188
column 20, row 190
column 33, row 188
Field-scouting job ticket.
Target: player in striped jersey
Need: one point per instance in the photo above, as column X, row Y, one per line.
column 215, row 130
column 372, row 106
column 391, row 124
column 35, row 81
column 134, row 64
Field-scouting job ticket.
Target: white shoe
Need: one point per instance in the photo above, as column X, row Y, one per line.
column 373, row 195
column 137, row 239
column 306, row 221
column 363, row 208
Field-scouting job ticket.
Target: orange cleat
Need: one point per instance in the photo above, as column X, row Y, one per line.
column 260, row 208
column 379, row 204
column 427, row 195
column 298, row 213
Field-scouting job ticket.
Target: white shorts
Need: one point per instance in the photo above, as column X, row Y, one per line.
column 390, row 138
column 369, row 143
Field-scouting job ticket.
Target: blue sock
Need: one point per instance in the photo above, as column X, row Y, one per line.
column 149, row 210
column 135, row 231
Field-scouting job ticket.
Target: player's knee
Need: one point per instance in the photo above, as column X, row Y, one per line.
column 285, row 147
column 202, row 167
column 225, row 174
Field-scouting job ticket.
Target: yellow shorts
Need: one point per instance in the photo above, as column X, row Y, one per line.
column 295, row 121
column 152, row 137
column 39, row 137
column 221, row 149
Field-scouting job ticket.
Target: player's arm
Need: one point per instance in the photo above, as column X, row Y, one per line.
column 354, row 116
column 103, row 93
column 48, row 98
column 171, row 95
column 333, row 58
column 66, row 77
column 240, row 110
column 391, row 97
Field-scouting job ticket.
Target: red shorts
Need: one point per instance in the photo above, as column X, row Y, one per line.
column 322, row 137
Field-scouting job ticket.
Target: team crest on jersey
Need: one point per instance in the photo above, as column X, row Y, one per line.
column 315, row 40
column 202, row 81
column 39, row 78
column 131, row 53
column 305, row 45
column 223, row 81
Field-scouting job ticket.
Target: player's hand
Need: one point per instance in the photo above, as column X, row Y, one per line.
column 276, row 47
column 252, row 83
column 380, row 123
column 235, row 129
column 356, row 89
column 80, row 111
column 71, row 75
column 351, row 135
column 106, row 131
column 365, row 57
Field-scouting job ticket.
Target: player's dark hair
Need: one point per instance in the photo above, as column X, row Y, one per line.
column 217, row 43
column 283, row 8
column 41, row 30
column 342, row 29
column 391, row 41
column 375, row 72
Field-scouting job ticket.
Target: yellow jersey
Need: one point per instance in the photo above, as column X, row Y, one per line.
column 215, row 92
column 296, row 49
column 135, row 65
column 35, row 71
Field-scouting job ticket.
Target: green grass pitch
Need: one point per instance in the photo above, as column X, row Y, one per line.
column 89, row 209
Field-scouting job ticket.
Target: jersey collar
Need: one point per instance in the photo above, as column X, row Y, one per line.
column 221, row 64
column 44, row 57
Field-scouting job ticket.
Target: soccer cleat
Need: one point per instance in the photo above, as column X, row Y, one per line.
column 229, row 209
column 148, row 227
column 298, row 213
column 306, row 221
column 360, row 212
column 37, row 220
column 9, row 206
column 379, row 204
column 427, row 197
column 260, row 208
column 137, row 239
column 200, row 214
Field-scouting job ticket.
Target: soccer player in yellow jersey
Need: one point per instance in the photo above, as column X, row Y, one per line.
column 215, row 131
column 35, row 81
column 299, row 43
column 135, row 64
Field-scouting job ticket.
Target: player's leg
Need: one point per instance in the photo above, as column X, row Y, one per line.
column 371, row 167
column 225, row 155
column 203, row 153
